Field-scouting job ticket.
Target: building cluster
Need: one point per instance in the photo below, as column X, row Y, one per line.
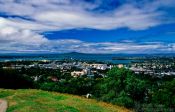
column 75, row 68
column 155, row 68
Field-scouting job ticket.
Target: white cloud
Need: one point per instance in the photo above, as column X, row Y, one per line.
column 22, row 32
column 69, row 45
column 61, row 14
column 12, row 33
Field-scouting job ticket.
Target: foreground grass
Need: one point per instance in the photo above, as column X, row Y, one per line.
column 43, row 101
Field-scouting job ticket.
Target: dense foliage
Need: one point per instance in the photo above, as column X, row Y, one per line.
column 141, row 92
column 121, row 86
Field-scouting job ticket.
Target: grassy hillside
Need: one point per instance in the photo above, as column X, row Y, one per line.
column 43, row 101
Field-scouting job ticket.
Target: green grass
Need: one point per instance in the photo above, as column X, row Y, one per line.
column 28, row 100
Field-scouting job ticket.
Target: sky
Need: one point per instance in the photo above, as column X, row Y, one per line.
column 87, row 26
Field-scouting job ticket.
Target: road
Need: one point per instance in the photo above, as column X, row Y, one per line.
column 3, row 105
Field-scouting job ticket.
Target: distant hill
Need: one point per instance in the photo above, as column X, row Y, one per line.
column 29, row 100
column 73, row 53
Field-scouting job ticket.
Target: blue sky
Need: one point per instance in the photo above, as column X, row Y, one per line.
column 87, row 26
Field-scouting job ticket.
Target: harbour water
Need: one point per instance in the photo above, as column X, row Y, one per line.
column 107, row 58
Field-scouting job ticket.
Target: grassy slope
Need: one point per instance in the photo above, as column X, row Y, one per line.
column 42, row 101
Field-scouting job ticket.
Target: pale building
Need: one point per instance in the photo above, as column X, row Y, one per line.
column 120, row 65
column 77, row 73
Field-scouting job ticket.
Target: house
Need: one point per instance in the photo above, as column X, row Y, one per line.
column 78, row 73
column 53, row 78
column 120, row 65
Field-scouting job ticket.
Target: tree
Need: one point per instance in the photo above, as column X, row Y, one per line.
column 113, row 87
column 165, row 94
column 121, row 87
